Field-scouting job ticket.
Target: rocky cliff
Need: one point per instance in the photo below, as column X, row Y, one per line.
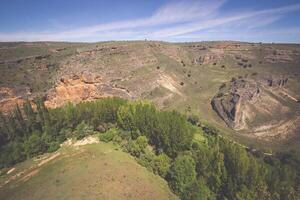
column 258, row 104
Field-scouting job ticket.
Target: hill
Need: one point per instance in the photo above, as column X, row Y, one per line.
column 92, row 171
column 181, row 76
column 196, row 160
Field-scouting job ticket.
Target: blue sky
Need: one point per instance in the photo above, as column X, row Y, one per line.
column 179, row 20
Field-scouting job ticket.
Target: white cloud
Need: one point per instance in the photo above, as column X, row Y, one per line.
column 172, row 21
column 250, row 19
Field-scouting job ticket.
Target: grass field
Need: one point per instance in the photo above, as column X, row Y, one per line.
column 94, row 171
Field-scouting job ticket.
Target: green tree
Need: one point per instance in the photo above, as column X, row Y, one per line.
column 161, row 164
column 138, row 146
column 30, row 116
column 197, row 190
column 82, row 130
column 19, row 122
column 34, row 145
column 109, row 135
column 182, row 173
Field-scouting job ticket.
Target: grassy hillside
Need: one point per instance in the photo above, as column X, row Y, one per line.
column 94, row 171
column 181, row 76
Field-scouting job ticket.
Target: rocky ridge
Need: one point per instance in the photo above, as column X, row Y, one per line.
column 246, row 101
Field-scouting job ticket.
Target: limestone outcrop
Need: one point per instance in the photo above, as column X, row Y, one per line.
column 83, row 87
column 249, row 104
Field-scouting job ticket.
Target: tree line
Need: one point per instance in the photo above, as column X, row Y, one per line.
column 165, row 142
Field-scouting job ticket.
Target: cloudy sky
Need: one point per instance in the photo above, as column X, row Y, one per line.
column 179, row 20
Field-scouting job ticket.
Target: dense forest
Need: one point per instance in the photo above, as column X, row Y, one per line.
column 195, row 161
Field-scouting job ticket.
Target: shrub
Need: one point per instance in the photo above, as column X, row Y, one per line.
column 101, row 128
column 222, row 86
column 161, row 164
column 196, row 145
column 137, row 147
column 51, row 142
column 146, row 160
column 108, row 135
column 220, row 94
column 83, row 130
column 117, row 139
column 197, row 190
column 64, row 133
column 183, row 64
column 182, row 173
column 193, row 119
column 34, row 146
column 135, row 134
column 53, row 146
column 125, row 135
column 12, row 154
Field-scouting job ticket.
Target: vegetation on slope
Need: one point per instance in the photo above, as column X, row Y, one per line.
column 196, row 162
column 182, row 76
column 93, row 171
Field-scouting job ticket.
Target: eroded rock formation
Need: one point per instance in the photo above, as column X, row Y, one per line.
column 82, row 87
column 10, row 97
column 251, row 104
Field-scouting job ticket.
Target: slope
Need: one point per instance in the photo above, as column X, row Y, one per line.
column 93, row 171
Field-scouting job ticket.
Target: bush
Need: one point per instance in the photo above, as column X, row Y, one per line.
column 53, row 147
column 138, row 146
column 34, row 146
column 125, row 135
column 64, row 134
column 146, row 160
column 117, row 139
column 197, row 190
column 12, row 154
column 182, row 173
column 161, row 165
column 108, row 135
column 222, row 86
column 193, row 119
column 220, row 94
column 196, row 145
column 101, row 128
column 52, row 143
column 82, row 130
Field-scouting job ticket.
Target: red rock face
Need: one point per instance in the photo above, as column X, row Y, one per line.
column 77, row 88
column 74, row 89
column 9, row 99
